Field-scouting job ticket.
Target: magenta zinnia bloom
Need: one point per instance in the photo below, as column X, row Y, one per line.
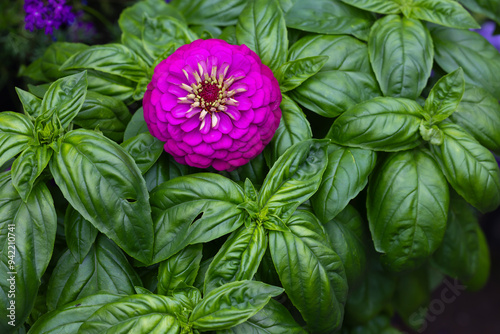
column 213, row 104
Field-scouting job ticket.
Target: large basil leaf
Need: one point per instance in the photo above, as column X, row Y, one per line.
column 136, row 125
column 274, row 318
column 448, row 13
column 69, row 318
column 311, row 272
column 105, row 268
column 345, row 80
column 108, row 114
column 178, row 269
column 164, row 169
column 256, row 170
column 102, row 182
column 27, row 235
column 347, row 235
column 162, row 30
column 293, row 73
column 261, row 27
column 232, row 304
column 329, row 17
column 55, row 55
column 407, row 207
column 469, row 167
column 345, row 176
column 489, row 8
column 192, row 209
column 239, row 257
column 145, row 149
column 131, row 23
column 215, row 12
column 294, row 178
column 382, row 124
column 412, row 295
column 479, row 114
column 147, row 313
column 16, row 131
column 111, row 85
column 401, row 53
column 32, row 105
column 80, row 234
column 377, row 6
column 294, row 127
column 458, row 255
column 469, row 50
column 445, row 96
column 373, row 294
column 483, row 265
column 65, row 97
column 115, row 59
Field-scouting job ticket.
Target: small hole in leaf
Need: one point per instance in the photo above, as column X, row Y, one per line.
column 131, row 200
column 198, row 217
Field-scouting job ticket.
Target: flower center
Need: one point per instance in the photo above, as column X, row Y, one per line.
column 210, row 93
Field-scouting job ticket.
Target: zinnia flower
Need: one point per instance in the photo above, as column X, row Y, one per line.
column 213, row 104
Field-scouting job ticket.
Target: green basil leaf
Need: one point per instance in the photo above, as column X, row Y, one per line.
column 108, row 114
column 229, row 35
column 215, row 12
column 27, row 235
column 274, row 318
column 232, row 304
column 69, row 318
column 347, row 235
column 294, row 178
column 345, row 176
column 105, row 268
column 479, row 114
column 401, row 53
column 179, row 269
column 329, row 17
column 469, row 50
column 445, row 96
column 131, row 23
column 412, row 294
column 33, row 71
column 200, row 278
column 145, row 149
column 381, row 124
column 469, row 167
column 458, row 255
column 135, row 314
column 32, row 105
column 377, row 6
column 261, row 27
column 311, row 272
column 293, row 73
column 294, row 128
column 115, row 59
column 65, row 97
column 102, row 182
column 407, row 208
column 39, row 90
column 192, row 209
column 346, row 78
column 162, row 30
column 80, row 234
column 239, row 257
column 111, row 85
column 447, row 13
column 207, row 31
column 483, row 265
column 373, row 295
column 55, row 55
column 256, row 170
column 27, row 168
column 136, row 125
column 489, row 8
column 164, row 169
column 16, row 131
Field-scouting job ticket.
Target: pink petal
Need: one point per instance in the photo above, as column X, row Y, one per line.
column 238, row 133
column 203, row 149
column 212, row 136
column 245, row 120
column 233, row 111
column 221, row 165
column 207, row 125
column 225, row 123
column 179, row 111
column 190, row 124
column 244, row 103
column 223, row 144
column 198, row 161
column 193, row 138
column 172, row 148
column 168, row 101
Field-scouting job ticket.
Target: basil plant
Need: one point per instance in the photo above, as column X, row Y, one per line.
column 364, row 200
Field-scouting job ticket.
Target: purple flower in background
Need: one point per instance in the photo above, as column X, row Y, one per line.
column 213, row 104
column 47, row 15
column 487, row 32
